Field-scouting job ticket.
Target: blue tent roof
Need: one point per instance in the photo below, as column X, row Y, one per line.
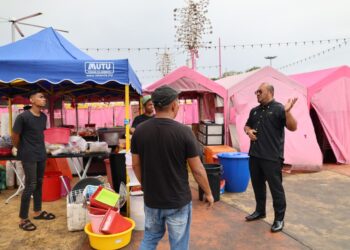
column 47, row 58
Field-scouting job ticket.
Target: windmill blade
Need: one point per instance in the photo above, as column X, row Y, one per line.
column 18, row 29
column 39, row 26
column 3, row 18
column 26, row 17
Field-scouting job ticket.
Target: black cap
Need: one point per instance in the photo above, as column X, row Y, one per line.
column 163, row 96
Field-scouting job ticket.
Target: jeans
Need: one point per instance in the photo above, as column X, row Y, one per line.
column 178, row 222
column 34, row 174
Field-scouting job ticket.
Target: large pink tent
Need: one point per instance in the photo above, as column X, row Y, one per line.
column 301, row 148
column 328, row 94
column 187, row 80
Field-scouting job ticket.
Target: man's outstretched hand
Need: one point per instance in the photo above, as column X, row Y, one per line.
column 289, row 105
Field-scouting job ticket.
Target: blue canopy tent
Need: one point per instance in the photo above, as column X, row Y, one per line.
column 48, row 61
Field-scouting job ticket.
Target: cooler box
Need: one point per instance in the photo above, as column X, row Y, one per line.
column 210, row 151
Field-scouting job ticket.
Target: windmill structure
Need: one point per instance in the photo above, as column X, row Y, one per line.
column 165, row 62
column 192, row 24
column 15, row 21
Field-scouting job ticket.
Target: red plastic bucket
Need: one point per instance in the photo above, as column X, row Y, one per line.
column 51, row 186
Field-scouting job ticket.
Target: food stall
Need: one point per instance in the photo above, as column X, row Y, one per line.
column 49, row 62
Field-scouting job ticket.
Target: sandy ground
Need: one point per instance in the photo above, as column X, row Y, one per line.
column 318, row 217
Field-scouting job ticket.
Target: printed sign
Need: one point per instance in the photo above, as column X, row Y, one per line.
column 99, row 69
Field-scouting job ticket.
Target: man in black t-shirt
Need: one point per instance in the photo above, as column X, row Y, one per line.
column 161, row 149
column 265, row 128
column 28, row 138
column 148, row 113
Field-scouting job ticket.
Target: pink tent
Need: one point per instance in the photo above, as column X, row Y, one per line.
column 328, row 94
column 187, row 80
column 301, row 148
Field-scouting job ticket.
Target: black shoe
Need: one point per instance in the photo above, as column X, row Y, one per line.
column 255, row 216
column 277, row 226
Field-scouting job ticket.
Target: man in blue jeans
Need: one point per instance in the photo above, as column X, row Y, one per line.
column 161, row 149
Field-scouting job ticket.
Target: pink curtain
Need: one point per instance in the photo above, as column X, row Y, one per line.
column 188, row 113
column 102, row 117
column 208, row 107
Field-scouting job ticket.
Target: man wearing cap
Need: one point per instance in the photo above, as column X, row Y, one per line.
column 148, row 113
column 161, row 148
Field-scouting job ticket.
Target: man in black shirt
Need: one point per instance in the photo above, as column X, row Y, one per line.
column 148, row 113
column 265, row 128
column 28, row 138
column 161, row 149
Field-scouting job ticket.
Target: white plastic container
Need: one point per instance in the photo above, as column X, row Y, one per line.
column 137, row 211
column 219, row 101
column 219, row 118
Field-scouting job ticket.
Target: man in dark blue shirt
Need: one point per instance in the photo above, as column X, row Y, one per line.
column 265, row 128
column 28, row 138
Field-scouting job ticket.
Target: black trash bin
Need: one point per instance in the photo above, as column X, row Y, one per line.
column 118, row 171
column 214, row 173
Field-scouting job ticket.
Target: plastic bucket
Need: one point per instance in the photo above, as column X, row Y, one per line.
column 111, row 241
column 57, row 135
column 96, row 220
column 236, row 171
column 51, row 186
column 214, row 173
column 96, row 210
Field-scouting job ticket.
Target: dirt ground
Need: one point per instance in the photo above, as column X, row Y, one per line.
column 317, row 218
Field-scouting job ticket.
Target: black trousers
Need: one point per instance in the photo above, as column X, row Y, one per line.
column 262, row 170
column 34, row 174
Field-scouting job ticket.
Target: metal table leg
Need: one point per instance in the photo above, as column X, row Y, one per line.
column 21, row 183
column 86, row 168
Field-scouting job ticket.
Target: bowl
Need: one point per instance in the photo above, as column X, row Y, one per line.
column 109, row 241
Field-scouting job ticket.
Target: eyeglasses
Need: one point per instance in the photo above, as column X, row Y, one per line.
column 258, row 92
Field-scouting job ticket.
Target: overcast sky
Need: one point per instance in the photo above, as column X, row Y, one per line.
column 149, row 23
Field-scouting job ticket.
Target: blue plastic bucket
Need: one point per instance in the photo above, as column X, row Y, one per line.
column 236, row 171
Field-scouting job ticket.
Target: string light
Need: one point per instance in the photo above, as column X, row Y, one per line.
column 331, row 49
column 233, row 46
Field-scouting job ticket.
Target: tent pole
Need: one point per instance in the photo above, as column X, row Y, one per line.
column 51, row 111
column 62, row 103
column 76, row 117
column 140, row 105
column 127, row 118
column 127, row 139
column 10, row 115
column 113, row 109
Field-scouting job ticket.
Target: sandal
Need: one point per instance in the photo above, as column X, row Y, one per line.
column 27, row 225
column 45, row 216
